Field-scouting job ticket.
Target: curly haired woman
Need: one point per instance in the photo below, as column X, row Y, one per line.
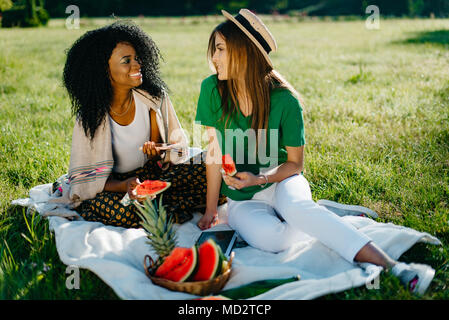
column 122, row 113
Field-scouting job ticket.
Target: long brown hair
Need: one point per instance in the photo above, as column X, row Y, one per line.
column 244, row 58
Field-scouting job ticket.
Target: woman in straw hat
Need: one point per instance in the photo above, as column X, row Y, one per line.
column 247, row 107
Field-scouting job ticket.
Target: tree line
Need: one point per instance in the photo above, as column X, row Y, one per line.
column 439, row 8
column 103, row 8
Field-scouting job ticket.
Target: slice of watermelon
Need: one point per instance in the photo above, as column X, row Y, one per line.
column 210, row 261
column 228, row 165
column 218, row 297
column 150, row 188
column 179, row 265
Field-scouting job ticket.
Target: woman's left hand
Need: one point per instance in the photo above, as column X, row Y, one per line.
column 241, row 180
column 131, row 185
column 150, row 149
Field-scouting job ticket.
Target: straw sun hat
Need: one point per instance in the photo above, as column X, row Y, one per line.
column 256, row 31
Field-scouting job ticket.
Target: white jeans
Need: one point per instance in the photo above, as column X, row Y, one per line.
column 271, row 220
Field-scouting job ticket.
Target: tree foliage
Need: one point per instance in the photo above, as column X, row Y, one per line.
column 90, row 8
column 5, row 5
column 25, row 13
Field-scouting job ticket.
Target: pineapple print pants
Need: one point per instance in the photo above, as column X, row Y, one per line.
column 186, row 195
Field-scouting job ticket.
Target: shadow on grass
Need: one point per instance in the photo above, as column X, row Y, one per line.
column 436, row 37
column 31, row 265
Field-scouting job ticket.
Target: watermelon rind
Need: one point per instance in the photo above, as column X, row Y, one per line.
column 217, row 297
column 194, row 265
column 168, row 184
column 170, row 268
column 233, row 173
column 205, row 271
column 228, row 161
column 222, row 267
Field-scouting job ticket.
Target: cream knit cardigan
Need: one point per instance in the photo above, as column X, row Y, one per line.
column 91, row 160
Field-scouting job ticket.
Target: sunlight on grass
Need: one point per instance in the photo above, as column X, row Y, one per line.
column 377, row 129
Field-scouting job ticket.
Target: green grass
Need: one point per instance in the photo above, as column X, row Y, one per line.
column 376, row 116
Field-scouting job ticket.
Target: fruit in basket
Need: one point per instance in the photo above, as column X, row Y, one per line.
column 179, row 265
column 175, row 263
column 158, row 227
column 228, row 165
column 151, row 188
column 210, row 260
column 218, row 297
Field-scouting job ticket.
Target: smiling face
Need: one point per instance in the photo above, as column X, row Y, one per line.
column 124, row 67
column 220, row 57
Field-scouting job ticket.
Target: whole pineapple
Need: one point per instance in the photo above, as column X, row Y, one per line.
column 159, row 228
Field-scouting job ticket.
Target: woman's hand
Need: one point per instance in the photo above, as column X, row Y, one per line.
column 293, row 165
column 208, row 220
column 149, row 148
column 242, row 180
column 131, row 184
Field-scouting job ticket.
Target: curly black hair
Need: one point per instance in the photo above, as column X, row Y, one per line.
column 86, row 71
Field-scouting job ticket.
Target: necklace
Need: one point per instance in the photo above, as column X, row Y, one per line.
column 127, row 108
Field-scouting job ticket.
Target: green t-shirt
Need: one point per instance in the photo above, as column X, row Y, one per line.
column 285, row 128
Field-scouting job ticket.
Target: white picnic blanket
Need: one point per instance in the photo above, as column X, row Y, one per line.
column 116, row 255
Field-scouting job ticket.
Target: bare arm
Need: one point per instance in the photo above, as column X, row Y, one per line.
column 213, row 177
column 293, row 165
column 121, row 186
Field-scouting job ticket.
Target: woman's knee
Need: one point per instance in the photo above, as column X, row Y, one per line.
column 296, row 187
column 263, row 231
column 292, row 192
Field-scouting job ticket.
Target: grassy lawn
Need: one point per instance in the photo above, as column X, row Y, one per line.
column 377, row 128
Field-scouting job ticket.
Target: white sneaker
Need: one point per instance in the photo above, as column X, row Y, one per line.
column 416, row 277
column 341, row 209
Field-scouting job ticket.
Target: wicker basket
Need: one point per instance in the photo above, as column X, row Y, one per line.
column 200, row 288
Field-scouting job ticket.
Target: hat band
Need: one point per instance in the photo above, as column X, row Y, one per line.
column 245, row 23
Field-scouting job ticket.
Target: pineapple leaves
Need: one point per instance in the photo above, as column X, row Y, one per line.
column 158, row 227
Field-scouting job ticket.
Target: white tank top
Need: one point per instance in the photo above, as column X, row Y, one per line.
column 126, row 140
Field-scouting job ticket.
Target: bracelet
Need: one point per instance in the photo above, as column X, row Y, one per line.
column 266, row 180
